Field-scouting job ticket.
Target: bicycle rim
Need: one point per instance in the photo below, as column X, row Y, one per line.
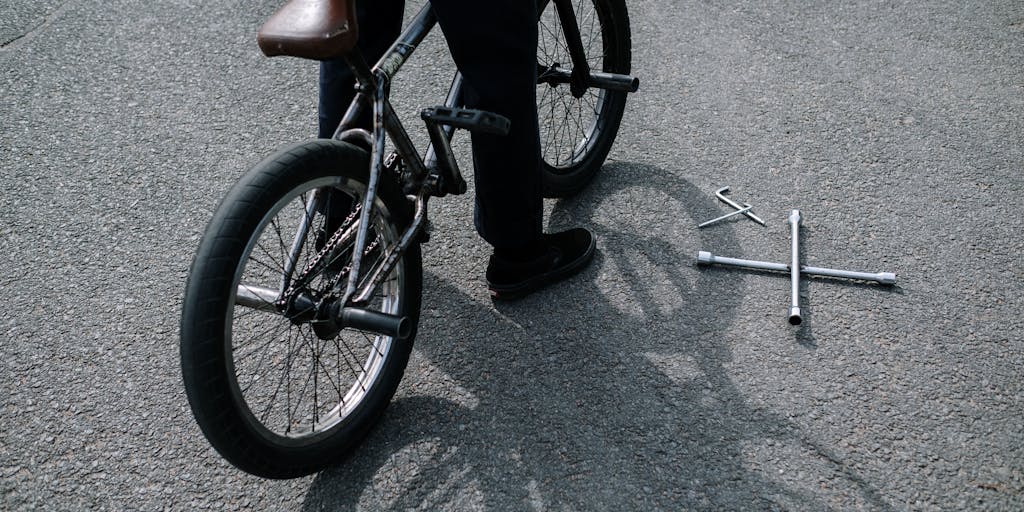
column 293, row 383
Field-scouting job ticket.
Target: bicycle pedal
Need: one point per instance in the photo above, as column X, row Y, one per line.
column 479, row 121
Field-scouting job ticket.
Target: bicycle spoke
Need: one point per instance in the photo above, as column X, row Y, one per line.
column 264, row 265
column 358, row 373
column 298, row 401
column 316, row 389
column 280, row 244
column 564, row 126
column 259, row 365
column 319, row 362
column 273, row 330
column 280, row 382
column 372, row 343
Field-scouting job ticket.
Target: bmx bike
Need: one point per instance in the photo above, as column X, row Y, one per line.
column 299, row 315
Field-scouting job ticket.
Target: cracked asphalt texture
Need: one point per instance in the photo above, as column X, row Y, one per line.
column 645, row 383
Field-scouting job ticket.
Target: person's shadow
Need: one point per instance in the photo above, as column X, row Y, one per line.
column 611, row 391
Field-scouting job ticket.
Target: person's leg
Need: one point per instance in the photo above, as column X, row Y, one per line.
column 494, row 44
column 380, row 23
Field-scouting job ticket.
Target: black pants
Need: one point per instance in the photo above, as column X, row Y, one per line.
column 494, row 45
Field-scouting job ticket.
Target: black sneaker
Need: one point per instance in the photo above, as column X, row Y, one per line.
column 560, row 256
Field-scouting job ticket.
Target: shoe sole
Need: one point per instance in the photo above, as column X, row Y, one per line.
column 556, row 275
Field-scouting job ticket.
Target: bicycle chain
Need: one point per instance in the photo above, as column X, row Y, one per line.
column 306, row 275
column 348, row 268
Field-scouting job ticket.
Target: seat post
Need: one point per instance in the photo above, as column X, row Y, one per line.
column 365, row 85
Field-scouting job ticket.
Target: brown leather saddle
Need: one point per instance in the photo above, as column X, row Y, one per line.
column 311, row 29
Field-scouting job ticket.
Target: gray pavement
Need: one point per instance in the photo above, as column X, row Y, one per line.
column 645, row 383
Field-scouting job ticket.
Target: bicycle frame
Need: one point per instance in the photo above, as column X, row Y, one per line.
column 375, row 84
column 422, row 177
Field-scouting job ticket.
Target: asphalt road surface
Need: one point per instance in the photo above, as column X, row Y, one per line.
column 645, row 383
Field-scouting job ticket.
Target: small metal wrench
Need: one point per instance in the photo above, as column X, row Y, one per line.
column 746, row 208
column 720, row 194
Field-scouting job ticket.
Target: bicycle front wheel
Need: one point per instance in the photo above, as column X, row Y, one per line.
column 276, row 391
column 577, row 132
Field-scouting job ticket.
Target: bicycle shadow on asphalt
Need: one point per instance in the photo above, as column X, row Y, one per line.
column 611, row 391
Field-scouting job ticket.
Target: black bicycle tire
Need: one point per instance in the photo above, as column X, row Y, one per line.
column 204, row 355
column 561, row 181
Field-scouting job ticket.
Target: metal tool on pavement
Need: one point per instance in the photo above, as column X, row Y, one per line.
column 795, row 269
column 746, row 208
column 706, row 258
column 720, row 194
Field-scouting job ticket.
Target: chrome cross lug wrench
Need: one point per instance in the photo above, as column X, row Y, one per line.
column 720, row 194
column 706, row 258
column 794, row 268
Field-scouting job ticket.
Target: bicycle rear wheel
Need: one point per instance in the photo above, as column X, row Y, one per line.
column 276, row 391
column 577, row 133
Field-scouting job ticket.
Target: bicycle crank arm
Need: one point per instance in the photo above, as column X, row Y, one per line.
column 597, row 79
